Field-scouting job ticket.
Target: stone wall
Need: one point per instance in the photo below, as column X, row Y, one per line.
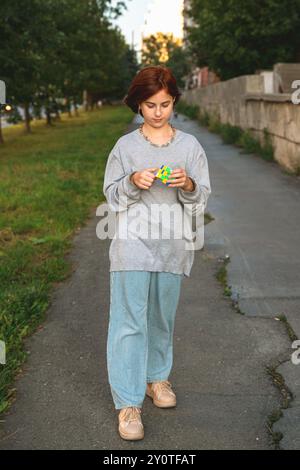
column 242, row 102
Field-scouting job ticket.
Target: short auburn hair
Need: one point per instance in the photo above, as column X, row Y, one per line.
column 148, row 81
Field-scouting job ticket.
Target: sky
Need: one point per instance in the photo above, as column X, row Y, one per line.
column 148, row 17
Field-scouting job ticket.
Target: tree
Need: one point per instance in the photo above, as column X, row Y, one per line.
column 54, row 49
column 164, row 49
column 157, row 48
column 237, row 37
column 180, row 64
column 21, row 33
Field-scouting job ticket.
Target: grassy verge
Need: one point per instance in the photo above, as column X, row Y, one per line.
column 230, row 134
column 49, row 181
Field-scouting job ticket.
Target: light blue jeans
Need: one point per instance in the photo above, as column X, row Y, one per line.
column 140, row 334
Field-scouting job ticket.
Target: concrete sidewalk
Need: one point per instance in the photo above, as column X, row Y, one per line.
column 224, row 392
column 257, row 220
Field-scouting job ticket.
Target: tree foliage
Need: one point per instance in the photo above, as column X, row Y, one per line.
column 164, row 49
column 237, row 37
column 56, row 49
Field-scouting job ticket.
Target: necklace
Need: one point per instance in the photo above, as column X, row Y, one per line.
column 157, row 145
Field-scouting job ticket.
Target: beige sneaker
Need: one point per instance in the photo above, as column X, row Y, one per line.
column 130, row 423
column 161, row 394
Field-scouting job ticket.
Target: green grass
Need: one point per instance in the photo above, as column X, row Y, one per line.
column 49, row 182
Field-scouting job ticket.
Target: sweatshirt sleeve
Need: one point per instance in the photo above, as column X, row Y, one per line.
column 119, row 191
column 197, row 170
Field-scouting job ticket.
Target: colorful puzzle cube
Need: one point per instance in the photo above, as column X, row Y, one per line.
column 164, row 174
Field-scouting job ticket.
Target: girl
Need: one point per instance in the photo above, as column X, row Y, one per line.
column 145, row 271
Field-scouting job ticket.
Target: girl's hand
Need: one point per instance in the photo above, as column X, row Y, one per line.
column 144, row 179
column 180, row 180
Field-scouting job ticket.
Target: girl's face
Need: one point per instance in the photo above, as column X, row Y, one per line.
column 158, row 108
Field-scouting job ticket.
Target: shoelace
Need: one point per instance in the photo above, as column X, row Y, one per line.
column 164, row 385
column 132, row 413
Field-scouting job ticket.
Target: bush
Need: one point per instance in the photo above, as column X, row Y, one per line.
column 250, row 144
column 204, row 118
column 267, row 150
column 214, row 124
column 192, row 111
column 231, row 134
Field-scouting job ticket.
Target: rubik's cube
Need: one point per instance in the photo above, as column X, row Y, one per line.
column 164, row 174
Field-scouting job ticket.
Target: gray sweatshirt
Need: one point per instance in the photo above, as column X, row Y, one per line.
column 148, row 233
